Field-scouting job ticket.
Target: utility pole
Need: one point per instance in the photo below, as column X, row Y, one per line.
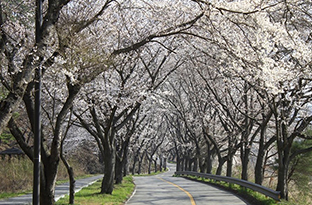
column 37, row 131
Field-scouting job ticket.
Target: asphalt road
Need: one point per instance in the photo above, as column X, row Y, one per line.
column 60, row 191
column 167, row 190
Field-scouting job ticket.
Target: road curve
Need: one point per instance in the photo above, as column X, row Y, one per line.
column 60, row 191
column 167, row 190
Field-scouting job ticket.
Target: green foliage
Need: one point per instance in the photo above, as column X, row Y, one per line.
column 6, row 137
column 9, row 195
column 91, row 194
column 300, row 170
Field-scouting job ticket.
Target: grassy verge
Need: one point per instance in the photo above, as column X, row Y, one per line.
column 249, row 195
column 91, row 195
column 9, row 195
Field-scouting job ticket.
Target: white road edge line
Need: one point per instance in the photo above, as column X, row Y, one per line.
column 133, row 193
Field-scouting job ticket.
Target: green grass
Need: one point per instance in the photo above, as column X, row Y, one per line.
column 9, row 195
column 91, row 195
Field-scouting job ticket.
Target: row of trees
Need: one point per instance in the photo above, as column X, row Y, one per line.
column 192, row 78
column 97, row 72
column 248, row 94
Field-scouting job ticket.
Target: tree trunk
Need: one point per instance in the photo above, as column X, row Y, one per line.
column 283, row 163
column 126, row 166
column 72, row 181
column 160, row 163
column 140, row 163
column 109, row 169
column 229, row 160
column 149, row 166
column 135, row 159
column 229, row 164
column 178, row 165
column 118, row 171
column 209, row 164
column 195, row 164
column 155, row 165
column 259, row 168
column 47, row 183
column 125, row 162
column 221, row 162
column 245, row 161
column 259, row 174
column 190, row 164
column 165, row 163
column 282, row 184
column 263, row 146
column 186, row 163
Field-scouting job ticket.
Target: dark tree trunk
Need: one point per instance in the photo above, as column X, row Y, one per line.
column 202, row 165
column 186, row 163
column 118, row 171
column 259, row 167
column 135, row 159
column 221, row 162
column 282, row 184
column 149, row 166
column 209, row 164
column 263, row 146
column 283, row 163
column 126, row 166
column 72, row 181
column 178, row 165
column 190, row 164
column 195, row 166
column 165, row 163
column 140, row 163
column 125, row 157
column 245, row 162
column 109, row 170
column 160, row 163
column 259, row 171
column 229, row 165
column 229, row 160
column 155, row 165
column 47, row 183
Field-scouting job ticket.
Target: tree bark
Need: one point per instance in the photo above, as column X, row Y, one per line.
column 47, row 182
column 118, row 170
column 72, row 181
column 221, row 162
column 109, row 170
column 245, row 162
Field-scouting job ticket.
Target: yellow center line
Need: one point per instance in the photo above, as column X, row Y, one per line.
column 187, row 193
